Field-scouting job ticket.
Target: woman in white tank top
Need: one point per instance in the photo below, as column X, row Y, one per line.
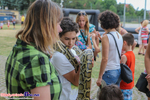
column 110, row 64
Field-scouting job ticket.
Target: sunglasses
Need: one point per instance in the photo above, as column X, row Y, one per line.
column 82, row 13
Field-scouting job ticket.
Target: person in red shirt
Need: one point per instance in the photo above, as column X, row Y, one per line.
column 129, row 59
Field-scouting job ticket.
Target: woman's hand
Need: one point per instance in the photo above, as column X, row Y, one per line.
column 89, row 35
column 148, row 80
column 92, row 62
column 99, row 36
column 98, row 82
column 93, row 36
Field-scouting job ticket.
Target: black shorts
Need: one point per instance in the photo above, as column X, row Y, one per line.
column 14, row 24
column 148, row 94
column 21, row 23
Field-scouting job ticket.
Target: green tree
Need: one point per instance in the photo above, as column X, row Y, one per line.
column 113, row 8
column 57, row 1
column 16, row 4
column 108, row 3
column 99, row 5
column 141, row 13
column 76, row 4
column 120, row 9
column 131, row 10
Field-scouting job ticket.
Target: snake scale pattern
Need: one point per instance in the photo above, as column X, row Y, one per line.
column 85, row 68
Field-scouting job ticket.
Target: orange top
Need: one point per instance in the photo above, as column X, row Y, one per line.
column 131, row 64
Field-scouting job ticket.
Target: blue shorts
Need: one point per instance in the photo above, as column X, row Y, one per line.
column 112, row 77
column 127, row 94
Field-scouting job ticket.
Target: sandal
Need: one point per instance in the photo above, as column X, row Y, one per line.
column 139, row 53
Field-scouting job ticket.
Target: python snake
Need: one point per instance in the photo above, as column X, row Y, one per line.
column 85, row 67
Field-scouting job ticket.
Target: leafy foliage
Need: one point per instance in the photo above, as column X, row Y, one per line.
column 102, row 5
column 113, row 8
column 16, row 4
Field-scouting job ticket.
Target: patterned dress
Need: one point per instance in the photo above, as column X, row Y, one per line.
column 91, row 29
column 144, row 35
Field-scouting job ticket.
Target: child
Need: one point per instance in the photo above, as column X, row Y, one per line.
column 68, row 77
column 138, row 30
column 129, row 59
column 8, row 23
column 110, row 92
column 86, row 29
column 1, row 24
column 14, row 21
column 22, row 20
column 144, row 34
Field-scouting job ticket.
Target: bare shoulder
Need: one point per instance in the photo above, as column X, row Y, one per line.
column 105, row 37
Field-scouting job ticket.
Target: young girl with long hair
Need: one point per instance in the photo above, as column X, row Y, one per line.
column 85, row 30
column 144, row 34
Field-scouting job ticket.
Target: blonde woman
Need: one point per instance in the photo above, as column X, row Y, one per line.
column 85, row 30
column 28, row 67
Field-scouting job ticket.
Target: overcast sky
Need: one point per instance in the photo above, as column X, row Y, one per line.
column 137, row 3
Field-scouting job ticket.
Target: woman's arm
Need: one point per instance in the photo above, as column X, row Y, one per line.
column 147, row 59
column 134, row 45
column 123, row 31
column 137, row 30
column 73, row 77
column 147, row 63
column 95, row 44
column 123, row 59
column 147, row 30
column 44, row 92
column 89, row 41
column 96, row 36
column 105, row 52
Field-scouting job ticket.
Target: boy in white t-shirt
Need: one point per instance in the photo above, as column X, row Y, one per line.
column 68, row 77
column 1, row 24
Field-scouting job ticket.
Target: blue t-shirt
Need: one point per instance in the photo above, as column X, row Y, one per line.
column 91, row 29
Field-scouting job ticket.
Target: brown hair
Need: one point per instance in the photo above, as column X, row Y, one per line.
column 68, row 25
column 111, row 92
column 87, row 25
column 41, row 25
column 129, row 38
column 109, row 20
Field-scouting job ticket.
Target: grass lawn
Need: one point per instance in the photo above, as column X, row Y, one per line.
column 2, row 98
column 7, row 40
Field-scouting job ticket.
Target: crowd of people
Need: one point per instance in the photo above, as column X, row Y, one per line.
column 34, row 66
column 13, row 22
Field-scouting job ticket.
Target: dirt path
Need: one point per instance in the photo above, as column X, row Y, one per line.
column 136, row 94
